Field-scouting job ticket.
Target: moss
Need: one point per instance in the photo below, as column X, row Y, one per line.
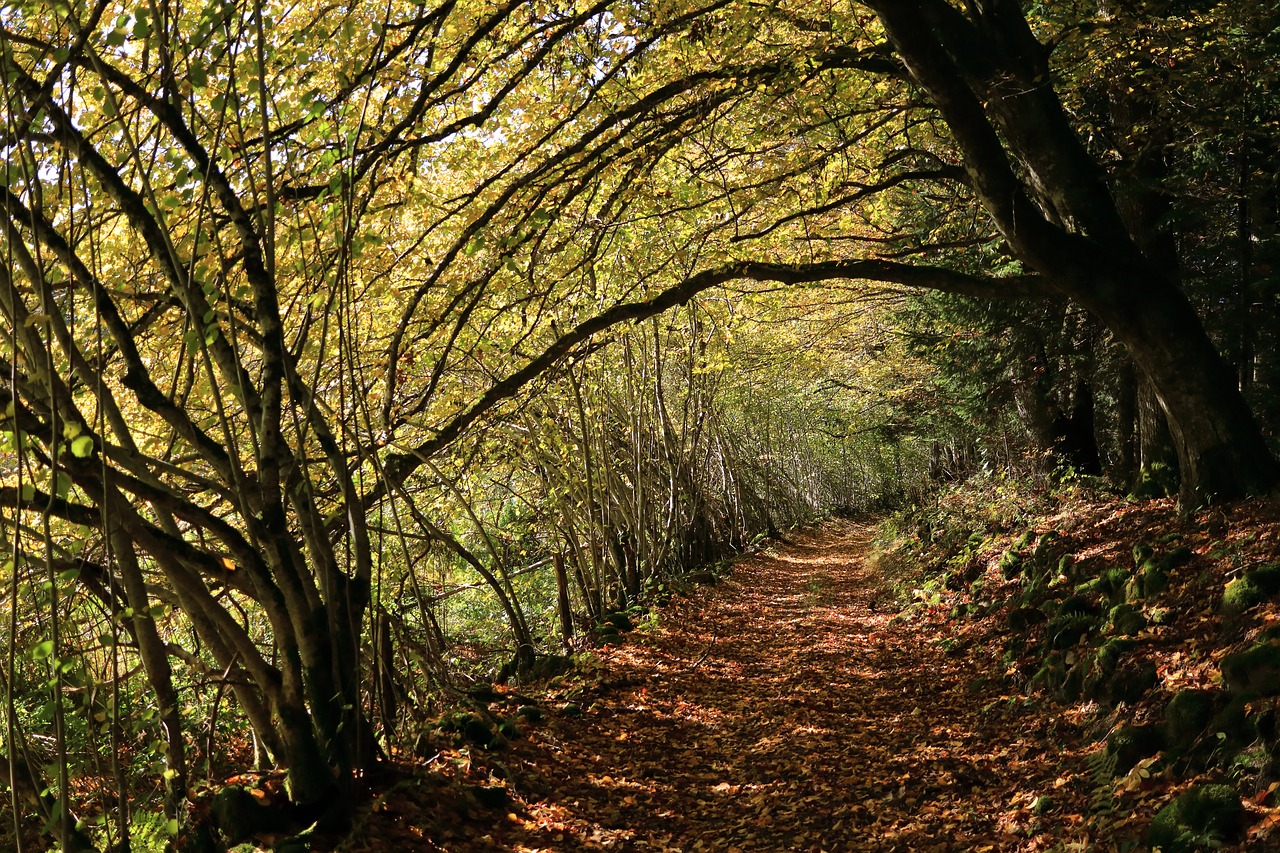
column 1176, row 558
column 1127, row 684
column 1205, row 816
column 1078, row 605
column 1254, row 671
column 1187, row 716
column 1025, row 540
column 1142, row 552
column 1010, row 565
column 1023, row 618
column 1111, row 652
column 1251, row 589
column 1126, row 620
column 1234, row 728
column 1155, row 578
column 1051, row 674
column 1131, row 744
column 1110, row 585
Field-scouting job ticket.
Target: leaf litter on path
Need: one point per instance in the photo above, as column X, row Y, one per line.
column 779, row 711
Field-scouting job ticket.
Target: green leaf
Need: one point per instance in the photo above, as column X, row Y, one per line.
column 42, row 650
column 82, row 446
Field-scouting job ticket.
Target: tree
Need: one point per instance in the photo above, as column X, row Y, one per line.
column 991, row 82
column 269, row 273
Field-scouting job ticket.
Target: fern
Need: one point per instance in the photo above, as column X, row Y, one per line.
column 1102, row 771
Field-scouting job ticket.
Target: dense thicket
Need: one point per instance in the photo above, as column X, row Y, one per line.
column 351, row 349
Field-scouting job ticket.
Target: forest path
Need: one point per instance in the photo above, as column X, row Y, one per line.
column 779, row 711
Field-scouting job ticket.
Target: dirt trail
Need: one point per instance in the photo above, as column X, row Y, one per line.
column 779, row 711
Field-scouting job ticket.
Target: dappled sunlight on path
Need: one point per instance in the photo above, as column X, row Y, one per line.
column 779, row 711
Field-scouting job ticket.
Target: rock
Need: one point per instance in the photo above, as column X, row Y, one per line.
column 1126, row 620
column 1130, row 683
column 531, row 713
column 1253, row 672
column 237, row 814
column 1251, row 589
column 620, row 621
column 1205, row 816
column 1010, row 565
column 489, row 796
column 1186, row 717
column 1023, row 618
column 1131, row 744
column 1176, row 558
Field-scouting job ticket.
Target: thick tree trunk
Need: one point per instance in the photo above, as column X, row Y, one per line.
column 1221, row 452
column 989, row 79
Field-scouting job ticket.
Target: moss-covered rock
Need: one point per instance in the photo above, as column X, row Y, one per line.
column 1186, row 717
column 1110, row 584
column 1051, row 673
column 1131, row 744
column 1234, row 727
column 1254, row 671
column 1128, row 683
column 1251, row 589
column 1155, row 578
column 1022, row 618
column 1010, row 565
column 1204, row 817
column 620, row 621
column 1125, row 620
column 1176, row 558
column 1078, row 604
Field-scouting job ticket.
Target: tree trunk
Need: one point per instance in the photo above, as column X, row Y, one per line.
column 989, row 77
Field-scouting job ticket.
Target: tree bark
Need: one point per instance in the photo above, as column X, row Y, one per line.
column 989, row 79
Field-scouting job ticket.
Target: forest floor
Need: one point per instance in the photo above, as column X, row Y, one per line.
column 776, row 710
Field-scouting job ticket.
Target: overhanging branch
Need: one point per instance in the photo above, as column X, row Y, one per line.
column 399, row 466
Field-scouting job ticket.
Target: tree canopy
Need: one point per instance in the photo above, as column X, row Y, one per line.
column 310, row 313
